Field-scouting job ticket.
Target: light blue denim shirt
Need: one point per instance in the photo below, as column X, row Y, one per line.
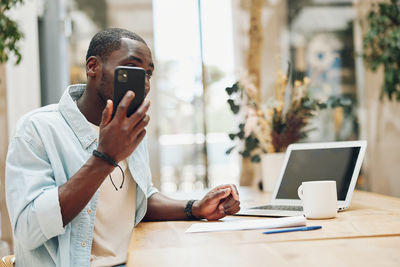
column 49, row 146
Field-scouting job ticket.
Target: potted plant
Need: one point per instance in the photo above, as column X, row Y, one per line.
column 269, row 128
column 382, row 45
column 9, row 32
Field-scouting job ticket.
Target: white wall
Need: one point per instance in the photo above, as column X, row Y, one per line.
column 23, row 81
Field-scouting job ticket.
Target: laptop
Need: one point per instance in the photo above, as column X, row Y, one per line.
column 339, row 161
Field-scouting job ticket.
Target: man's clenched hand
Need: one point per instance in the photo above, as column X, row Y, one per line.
column 219, row 202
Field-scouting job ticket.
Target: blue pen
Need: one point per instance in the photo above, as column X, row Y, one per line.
column 305, row 228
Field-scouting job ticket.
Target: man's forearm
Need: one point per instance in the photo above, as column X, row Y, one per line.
column 76, row 193
column 161, row 207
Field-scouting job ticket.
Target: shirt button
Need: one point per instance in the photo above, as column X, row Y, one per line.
column 89, row 211
column 83, row 244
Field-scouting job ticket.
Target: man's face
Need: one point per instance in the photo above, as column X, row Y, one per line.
column 132, row 53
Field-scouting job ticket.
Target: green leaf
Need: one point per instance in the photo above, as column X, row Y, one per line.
column 345, row 102
column 255, row 158
column 240, row 134
column 245, row 153
column 235, row 108
column 229, row 90
column 251, row 143
column 233, row 89
column 229, row 150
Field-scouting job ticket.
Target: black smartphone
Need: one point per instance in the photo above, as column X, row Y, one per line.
column 129, row 78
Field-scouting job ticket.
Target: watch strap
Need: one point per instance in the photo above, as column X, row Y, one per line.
column 188, row 210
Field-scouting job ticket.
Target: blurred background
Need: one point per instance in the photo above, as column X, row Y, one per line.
column 200, row 47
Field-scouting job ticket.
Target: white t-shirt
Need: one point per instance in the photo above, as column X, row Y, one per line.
column 115, row 218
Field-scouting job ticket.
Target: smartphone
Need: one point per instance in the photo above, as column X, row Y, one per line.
column 129, row 78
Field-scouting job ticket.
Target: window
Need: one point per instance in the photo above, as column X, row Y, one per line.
column 192, row 104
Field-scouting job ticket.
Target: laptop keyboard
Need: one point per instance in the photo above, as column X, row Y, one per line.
column 279, row 207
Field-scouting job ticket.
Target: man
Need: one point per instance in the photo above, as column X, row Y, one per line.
column 68, row 203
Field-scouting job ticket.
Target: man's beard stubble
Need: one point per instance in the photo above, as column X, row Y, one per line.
column 102, row 92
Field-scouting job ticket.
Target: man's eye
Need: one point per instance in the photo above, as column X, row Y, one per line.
column 148, row 75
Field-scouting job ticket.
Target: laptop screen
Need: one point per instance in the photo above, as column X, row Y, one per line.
column 318, row 164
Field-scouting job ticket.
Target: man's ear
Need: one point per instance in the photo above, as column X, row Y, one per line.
column 93, row 66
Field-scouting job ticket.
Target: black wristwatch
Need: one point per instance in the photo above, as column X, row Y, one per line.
column 188, row 210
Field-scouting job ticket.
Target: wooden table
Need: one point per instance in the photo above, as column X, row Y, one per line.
column 367, row 234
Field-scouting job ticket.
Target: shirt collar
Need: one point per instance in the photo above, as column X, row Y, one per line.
column 75, row 119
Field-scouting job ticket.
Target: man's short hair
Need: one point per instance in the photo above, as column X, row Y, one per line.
column 109, row 40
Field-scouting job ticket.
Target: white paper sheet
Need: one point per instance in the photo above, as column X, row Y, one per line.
column 247, row 224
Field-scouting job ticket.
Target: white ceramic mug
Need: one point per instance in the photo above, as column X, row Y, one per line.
column 319, row 199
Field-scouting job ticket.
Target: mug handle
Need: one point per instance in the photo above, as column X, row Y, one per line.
column 300, row 192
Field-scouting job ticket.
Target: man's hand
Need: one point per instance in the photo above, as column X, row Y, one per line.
column 219, row 202
column 120, row 136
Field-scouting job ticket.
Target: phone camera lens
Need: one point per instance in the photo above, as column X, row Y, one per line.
column 123, row 76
